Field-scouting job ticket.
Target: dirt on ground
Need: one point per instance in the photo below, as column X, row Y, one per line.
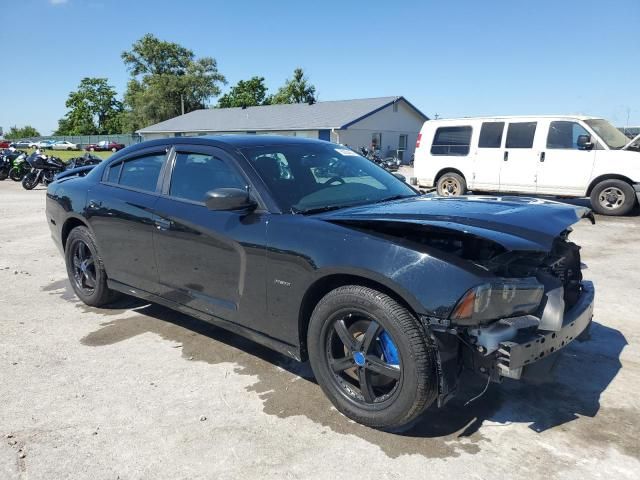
column 138, row 391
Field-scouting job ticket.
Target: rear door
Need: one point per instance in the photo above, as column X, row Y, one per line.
column 120, row 212
column 520, row 158
column 488, row 157
column 564, row 168
column 211, row 261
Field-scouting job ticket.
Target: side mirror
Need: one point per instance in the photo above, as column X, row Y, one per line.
column 584, row 142
column 399, row 176
column 229, row 199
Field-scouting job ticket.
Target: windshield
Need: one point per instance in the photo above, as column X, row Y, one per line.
column 613, row 137
column 313, row 177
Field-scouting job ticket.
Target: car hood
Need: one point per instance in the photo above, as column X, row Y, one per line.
column 516, row 223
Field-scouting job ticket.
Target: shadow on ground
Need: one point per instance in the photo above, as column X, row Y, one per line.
column 570, row 401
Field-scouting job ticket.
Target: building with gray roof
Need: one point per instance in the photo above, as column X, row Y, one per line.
column 391, row 124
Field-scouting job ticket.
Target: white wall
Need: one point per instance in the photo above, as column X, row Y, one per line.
column 390, row 124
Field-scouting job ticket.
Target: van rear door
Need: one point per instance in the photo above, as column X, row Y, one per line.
column 520, row 158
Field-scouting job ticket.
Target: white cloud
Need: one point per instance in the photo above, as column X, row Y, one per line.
column 58, row 2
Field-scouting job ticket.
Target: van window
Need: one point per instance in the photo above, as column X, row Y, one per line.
column 564, row 135
column 491, row 135
column 451, row 141
column 520, row 135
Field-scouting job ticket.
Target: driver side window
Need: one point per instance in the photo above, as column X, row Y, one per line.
column 564, row 135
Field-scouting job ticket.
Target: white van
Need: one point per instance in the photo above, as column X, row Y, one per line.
column 568, row 156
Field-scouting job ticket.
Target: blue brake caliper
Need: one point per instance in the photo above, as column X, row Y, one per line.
column 389, row 349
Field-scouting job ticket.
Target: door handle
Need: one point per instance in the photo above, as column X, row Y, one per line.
column 506, row 156
column 162, row 224
column 542, row 156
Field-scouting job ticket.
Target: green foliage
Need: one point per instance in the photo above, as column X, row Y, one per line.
column 93, row 109
column 296, row 90
column 16, row 133
column 165, row 76
column 246, row 93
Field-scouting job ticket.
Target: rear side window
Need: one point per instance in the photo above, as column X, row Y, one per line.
column 114, row 173
column 520, row 135
column 491, row 135
column 194, row 174
column 451, row 141
column 142, row 173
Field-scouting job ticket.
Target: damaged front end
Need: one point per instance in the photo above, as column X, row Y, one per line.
column 537, row 304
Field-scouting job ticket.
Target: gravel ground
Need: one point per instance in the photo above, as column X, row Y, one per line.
column 139, row 391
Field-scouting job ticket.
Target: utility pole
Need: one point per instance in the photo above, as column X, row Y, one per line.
column 182, row 103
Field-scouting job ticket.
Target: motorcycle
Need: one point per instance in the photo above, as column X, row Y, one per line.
column 44, row 168
column 8, row 158
column 391, row 164
column 83, row 161
column 20, row 168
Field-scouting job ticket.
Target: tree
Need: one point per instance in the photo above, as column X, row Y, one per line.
column 93, row 109
column 296, row 90
column 16, row 133
column 246, row 93
column 165, row 77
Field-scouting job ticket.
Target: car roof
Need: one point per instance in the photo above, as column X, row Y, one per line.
column 515, row 117
column 234, row 141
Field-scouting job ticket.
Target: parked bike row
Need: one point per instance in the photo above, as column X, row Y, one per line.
column 37, row 167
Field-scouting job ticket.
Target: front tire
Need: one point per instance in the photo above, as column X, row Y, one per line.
column 15, row 174
column 85, row 269
column 30, row 180
column 613, row 197
column 4, row 173
column 371, row 358
column 451, row 185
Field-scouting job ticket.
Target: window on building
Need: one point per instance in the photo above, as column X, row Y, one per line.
column 491, row 135
column 564, row 135
column 451, row 141
column 402, row 142
column 395, row 106
column 376, row 141
column 520, row 135
column 194, row 174
column 142, row 173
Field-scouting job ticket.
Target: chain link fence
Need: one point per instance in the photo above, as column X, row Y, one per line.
column 83, row 140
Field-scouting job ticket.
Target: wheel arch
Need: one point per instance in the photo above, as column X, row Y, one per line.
column 70, row 224
column 607, row 176
column 448, row 170
column 321, row 286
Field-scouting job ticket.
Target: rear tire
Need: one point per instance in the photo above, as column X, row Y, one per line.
column 114, row 149
column 613, row 197
column 30, row 180
column 451, row 185
column 85, row 269
column 362, row 380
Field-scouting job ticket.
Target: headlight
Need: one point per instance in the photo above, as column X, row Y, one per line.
column 500, row 299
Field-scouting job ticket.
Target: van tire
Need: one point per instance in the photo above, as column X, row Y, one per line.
column 451, row 184
column 613, row 197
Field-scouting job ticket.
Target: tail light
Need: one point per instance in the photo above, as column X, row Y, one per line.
column 418, row 140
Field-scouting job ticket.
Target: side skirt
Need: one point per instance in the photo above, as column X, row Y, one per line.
column 253, row 335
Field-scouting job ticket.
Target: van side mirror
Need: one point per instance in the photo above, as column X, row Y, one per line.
column 584, row 142
column 224, row 199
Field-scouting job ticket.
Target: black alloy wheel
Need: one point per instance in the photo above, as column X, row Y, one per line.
column 372, row 358
column 84, row 268
column 357, row 350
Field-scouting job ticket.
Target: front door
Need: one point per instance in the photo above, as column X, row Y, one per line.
column 563, row 167
column 520, row 158
column 488, row 157
column 120, row 212
column 211, row 261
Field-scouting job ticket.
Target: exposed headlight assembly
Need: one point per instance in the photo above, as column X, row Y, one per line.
column 499, row 299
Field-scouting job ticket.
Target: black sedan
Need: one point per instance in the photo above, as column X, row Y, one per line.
column 318, row 253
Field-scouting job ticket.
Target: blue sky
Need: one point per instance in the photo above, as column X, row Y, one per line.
column 453, row 58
